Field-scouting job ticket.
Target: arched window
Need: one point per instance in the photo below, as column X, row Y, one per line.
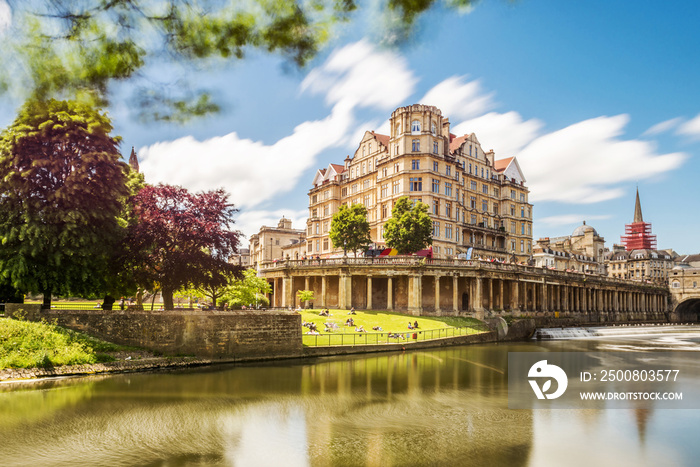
column 415, row 126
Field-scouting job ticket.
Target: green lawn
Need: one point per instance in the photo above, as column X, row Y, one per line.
column 25, row 344
column 429, row 327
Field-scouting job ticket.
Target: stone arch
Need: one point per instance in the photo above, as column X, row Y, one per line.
column 688, row 310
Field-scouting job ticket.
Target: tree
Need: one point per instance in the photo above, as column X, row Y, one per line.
column 182, row 239
column 62, row 188
column 250, row 290
column 350, row 229
column 305, row 295
column 66, row 46
column 410, row 228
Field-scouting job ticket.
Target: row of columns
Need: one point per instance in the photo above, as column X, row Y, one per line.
column 487, row 293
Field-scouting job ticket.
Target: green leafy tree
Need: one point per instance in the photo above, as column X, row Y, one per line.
column 250, row 290
column 350, row 229
column 410, row 228
column 62, row 188
column 305, row 295
column 60, row 47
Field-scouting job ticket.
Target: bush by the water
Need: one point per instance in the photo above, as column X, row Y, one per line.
column 25, row 344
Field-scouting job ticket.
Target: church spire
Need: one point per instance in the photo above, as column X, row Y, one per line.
column 638, row 210
column 134, row 161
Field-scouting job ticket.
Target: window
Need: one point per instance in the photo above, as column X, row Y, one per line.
column 433, row 128
column 325, row 244
column 435, row 147
column 326, row 210
column 436, row 186
column 512, row 227
column 314, row 198
column 512, row 209
column 366, row 184
column 354, row 188
column 522, row 211
column 384, row 172
column 384, row 211
column 415, row 145
column 512, row 194
column 522, row 228
column 367, row 201
column 415, row 164
column 325, row 227
column 318, row 245
column 522, row 246
column 512, row 245
column 415, row 126
column 396, row 168
column 448, row 231
column 472, row 202
column 326, row 194
column 369, row 151
column 310, row 247
column 448, row 209
column 473, row 185
column 436, row 229
column 318, row 227
column 495, row 208
column 470, row 167
column 484, row 206
column 485, row 189
column 416, row 184
column 448, row 189
column 495, row 192
column 344, row 192
column 435, row 167
column 314, row 213
column 396, row 188
column 448, row 171
column 522, row 197
column 473, row 219
column 482, row 172
column 363, row 151
column 364, row 168
column 385, row 191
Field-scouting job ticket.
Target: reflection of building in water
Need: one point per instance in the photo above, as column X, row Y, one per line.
column 642, row 417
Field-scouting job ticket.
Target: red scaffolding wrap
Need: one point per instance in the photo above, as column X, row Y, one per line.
column 638, row 236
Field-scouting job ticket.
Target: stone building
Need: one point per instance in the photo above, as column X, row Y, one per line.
column 637, row 259
column 242, row 258
column 267, row 244
column 583, row 250
column 475, row 201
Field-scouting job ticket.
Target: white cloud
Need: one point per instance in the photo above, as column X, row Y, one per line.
column 459, row 99
column 5, row 15
column 505, row 133
column 364, row 76
column 663, row 127
column 690, row 128
column 249, row 222
column 585, row 162
column 570, row 219
column 355, row 75
column 251, row 171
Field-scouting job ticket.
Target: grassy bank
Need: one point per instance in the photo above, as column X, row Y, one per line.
column 25, row 344
column 429, row 327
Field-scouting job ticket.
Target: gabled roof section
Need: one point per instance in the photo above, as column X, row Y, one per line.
column 330, row 173
column 456, row 142
column 510, row 168
column 383, row 139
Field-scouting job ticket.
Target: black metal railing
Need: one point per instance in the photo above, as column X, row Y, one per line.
column 382, row 338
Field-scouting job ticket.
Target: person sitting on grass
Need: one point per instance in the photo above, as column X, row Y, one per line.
column 360, row 329
column 377, row 328
column 415, row 325
column 410, row 326
column 352, row 311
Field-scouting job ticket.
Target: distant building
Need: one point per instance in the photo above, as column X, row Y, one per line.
column 583, row 250
column 475, row 201
column 637, row 259
column 242, row 258
column 267, row 244
column 134, row 161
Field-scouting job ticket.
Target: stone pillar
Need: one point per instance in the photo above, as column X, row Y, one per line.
column 436, row 281
column 455, row 294
column 306, row 287
column 478, row 298
column 345, row 291
column 415, row 295
column 490, row 306
column 369, row 292
column 514, row 289
column 287, row 297
column 501, row 299
column 323, row 291
column 545, row 306
column 389, row 293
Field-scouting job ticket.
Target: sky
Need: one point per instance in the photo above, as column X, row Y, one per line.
column 595, row 99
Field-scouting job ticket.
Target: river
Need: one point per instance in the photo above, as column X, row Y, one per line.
column 435, row 407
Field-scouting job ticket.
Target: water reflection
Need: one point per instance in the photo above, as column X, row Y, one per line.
column 440, row 407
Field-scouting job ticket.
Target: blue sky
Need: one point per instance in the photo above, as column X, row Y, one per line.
column 594, row 98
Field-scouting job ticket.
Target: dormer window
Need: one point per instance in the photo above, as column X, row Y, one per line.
column 415, row 126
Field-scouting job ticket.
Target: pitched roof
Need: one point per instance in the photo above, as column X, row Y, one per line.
column 502, row 164
column 456, row 142
column 338, row 168
column 383, row 139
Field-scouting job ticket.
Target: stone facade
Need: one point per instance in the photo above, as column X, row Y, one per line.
column 267, row 245
column 583, row 250
column 684, row 282
column 474, row 200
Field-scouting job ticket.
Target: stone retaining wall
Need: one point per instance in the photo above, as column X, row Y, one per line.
column 216, row 335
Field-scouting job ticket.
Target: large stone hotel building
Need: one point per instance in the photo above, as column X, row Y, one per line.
column 475, row 200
